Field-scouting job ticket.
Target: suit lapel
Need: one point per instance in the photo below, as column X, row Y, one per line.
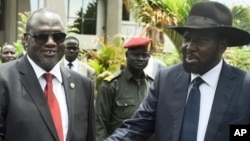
column 82, row 69
column 180, row 91
column 62, row 62
column 69, row 87
column 224, row 91
column 28, row 78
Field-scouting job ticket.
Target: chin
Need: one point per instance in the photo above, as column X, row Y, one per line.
column 192, row 68
column 48, row 65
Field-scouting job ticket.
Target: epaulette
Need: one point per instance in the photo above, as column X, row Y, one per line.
column 113, row 76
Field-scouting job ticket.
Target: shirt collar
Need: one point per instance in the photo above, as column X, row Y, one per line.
column 73, row 62
column 39, row 71
column 129, row 75
column 212, row 76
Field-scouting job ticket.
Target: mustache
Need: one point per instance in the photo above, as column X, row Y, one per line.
column 190, row 55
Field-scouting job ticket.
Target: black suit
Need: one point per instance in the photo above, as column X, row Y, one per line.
column 21, row 55
column 163, row 109
column 24, row 112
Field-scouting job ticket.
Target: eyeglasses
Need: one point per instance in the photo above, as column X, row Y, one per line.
column 42, row 38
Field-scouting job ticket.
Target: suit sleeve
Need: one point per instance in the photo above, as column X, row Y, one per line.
column 92, row 75
column 103, row 107
column 91, row 119
column 141, row 126
column 3, row 106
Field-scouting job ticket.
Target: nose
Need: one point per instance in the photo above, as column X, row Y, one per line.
column 50, row 40
column 10, row 54
column 140, row 57
column 190, row 45
column 72, row 50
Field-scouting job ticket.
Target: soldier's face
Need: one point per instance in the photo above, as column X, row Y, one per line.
column 71, row 49
column 137, row 58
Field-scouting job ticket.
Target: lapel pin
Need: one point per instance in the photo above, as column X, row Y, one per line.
column 72, row 85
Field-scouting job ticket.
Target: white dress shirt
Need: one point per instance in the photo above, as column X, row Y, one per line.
column 74, row 63
column 207, row 91
column 153, row 67
column 57, row 88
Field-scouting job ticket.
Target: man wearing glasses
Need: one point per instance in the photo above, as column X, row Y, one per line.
column 39, row 100
column 121, row 93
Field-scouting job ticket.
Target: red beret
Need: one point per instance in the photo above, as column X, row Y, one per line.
column 138, row 42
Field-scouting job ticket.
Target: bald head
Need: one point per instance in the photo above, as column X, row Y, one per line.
column 8, row 46
column 44, row 38
column 42, row 16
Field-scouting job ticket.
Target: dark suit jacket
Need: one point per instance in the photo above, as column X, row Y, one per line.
column 162, row 111
column 20, row 55
column 24, row 112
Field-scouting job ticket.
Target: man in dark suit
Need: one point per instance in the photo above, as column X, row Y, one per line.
column 33, row 108
column 72, row 50
column 223, row 99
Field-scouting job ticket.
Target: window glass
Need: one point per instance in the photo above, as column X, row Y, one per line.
column 1, row 14
column 36, row 4
column 81, row 14
column 125, row 11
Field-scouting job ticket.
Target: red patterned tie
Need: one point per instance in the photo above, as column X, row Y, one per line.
column 53, row 105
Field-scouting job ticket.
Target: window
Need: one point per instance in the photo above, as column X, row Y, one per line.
column 1, row 14
column 81, row 14
column 36, row 4
column 125, row 11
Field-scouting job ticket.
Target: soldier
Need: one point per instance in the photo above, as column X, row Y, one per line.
column 121, row 93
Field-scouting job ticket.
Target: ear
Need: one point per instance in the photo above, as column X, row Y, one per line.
column 126, row 54
column 25, row 40
column 223, row 45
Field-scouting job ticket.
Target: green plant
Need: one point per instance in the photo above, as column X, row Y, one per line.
column 159, row 13
column 238, row 57
column 108, row 59
column 23, row 17
column 170, row 58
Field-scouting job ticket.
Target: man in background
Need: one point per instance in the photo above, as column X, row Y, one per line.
column 120, row 94
column 71, row 61
column 8, row 53
column 157, row 37
column 154, row 65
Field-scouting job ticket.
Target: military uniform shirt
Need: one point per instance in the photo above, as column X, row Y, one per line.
column 118, row 98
